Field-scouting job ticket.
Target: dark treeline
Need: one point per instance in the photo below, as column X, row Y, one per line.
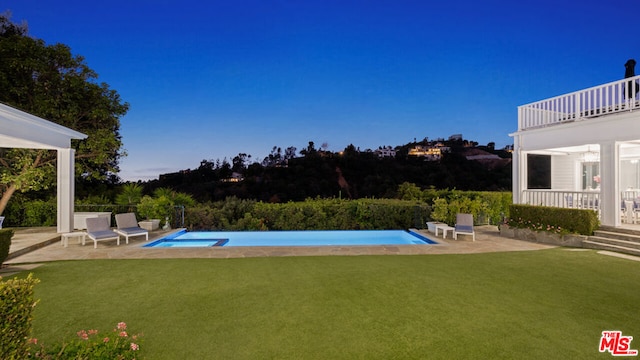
column 349, row 174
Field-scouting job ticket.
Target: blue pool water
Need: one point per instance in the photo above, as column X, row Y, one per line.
column 291, row 238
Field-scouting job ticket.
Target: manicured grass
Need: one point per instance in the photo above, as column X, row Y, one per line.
column 550, row 304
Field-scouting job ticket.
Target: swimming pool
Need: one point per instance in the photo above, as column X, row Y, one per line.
column 291, row 238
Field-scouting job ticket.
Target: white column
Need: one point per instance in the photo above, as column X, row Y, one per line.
column 519, row 172
column 609, row 183
column 66, row 189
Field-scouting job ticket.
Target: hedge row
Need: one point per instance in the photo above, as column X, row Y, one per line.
column 486, row 207
column 16, row 307
column 542, row 218
column 317, row 214
column 363, row 214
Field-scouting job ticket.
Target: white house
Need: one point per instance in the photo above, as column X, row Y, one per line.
column 385, row 151
column 590, row 143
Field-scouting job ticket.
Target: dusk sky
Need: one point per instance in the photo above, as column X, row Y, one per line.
column 211, row 79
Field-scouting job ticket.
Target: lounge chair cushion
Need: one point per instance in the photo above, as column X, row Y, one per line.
column 103, row 234
column 132, row 230
column 464, row 228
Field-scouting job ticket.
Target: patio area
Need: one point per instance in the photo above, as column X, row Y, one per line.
column 36, row 245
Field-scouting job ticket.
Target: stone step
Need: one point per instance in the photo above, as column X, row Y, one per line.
column 593, row 244
column 619, row 230
column 33, row 247
column 615, row 241
column 634, row 237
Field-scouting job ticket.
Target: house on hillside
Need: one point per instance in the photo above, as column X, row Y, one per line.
column 582, row 150
column 235, row 177
column 385, row 151
column 487, row 159
column 429, row 153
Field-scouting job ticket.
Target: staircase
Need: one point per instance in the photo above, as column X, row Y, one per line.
column 614, row 239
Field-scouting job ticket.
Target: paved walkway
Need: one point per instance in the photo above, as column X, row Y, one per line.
column 37, row 245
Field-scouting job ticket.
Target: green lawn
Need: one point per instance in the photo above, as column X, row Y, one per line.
column 550, row 304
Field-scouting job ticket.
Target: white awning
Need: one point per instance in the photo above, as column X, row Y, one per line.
column 19, row 129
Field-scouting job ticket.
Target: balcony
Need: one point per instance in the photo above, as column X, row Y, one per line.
column 614, row 97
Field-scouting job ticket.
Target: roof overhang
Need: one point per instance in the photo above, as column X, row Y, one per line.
column 19, row 129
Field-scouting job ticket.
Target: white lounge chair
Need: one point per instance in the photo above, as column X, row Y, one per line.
column 464, row 225
column 128, row 226
column 98, row 229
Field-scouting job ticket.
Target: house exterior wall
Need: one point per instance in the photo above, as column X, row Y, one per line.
column 608, row 132
column 563, row 172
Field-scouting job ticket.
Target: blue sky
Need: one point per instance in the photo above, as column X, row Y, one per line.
column 211, row 79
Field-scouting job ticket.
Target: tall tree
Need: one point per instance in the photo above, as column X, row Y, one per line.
column 50, row 82
column 274, row 158
column 240, row 162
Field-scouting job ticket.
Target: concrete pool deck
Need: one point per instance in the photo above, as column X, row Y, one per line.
column 37, row 245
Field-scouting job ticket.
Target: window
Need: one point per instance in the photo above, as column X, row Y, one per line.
column 590, row 176
column 538, row 171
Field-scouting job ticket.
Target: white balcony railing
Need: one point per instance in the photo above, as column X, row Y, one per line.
column 563, row 199
column 600, row 100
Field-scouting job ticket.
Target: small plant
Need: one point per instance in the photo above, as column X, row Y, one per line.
column 161, row 204
column 536, row 226
column 89, row 344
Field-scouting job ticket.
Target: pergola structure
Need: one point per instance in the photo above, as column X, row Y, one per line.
column 19, row 129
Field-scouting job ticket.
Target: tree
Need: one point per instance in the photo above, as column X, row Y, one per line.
column 290, row 153
column 50, row 82
column 350, row 150
column 409, row 191
column 240, row 161
column 310, row 150
column 274, row 158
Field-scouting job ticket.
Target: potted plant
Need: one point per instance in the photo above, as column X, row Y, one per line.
column 153, row 210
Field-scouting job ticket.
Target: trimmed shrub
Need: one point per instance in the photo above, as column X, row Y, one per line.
column 336, row 214
column 230, row 214
column 5, row 243
column 485, row 206
column 16, row 306
column 543, row 218
column 312, row 214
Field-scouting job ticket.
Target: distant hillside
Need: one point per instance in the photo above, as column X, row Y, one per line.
column 350, row 173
